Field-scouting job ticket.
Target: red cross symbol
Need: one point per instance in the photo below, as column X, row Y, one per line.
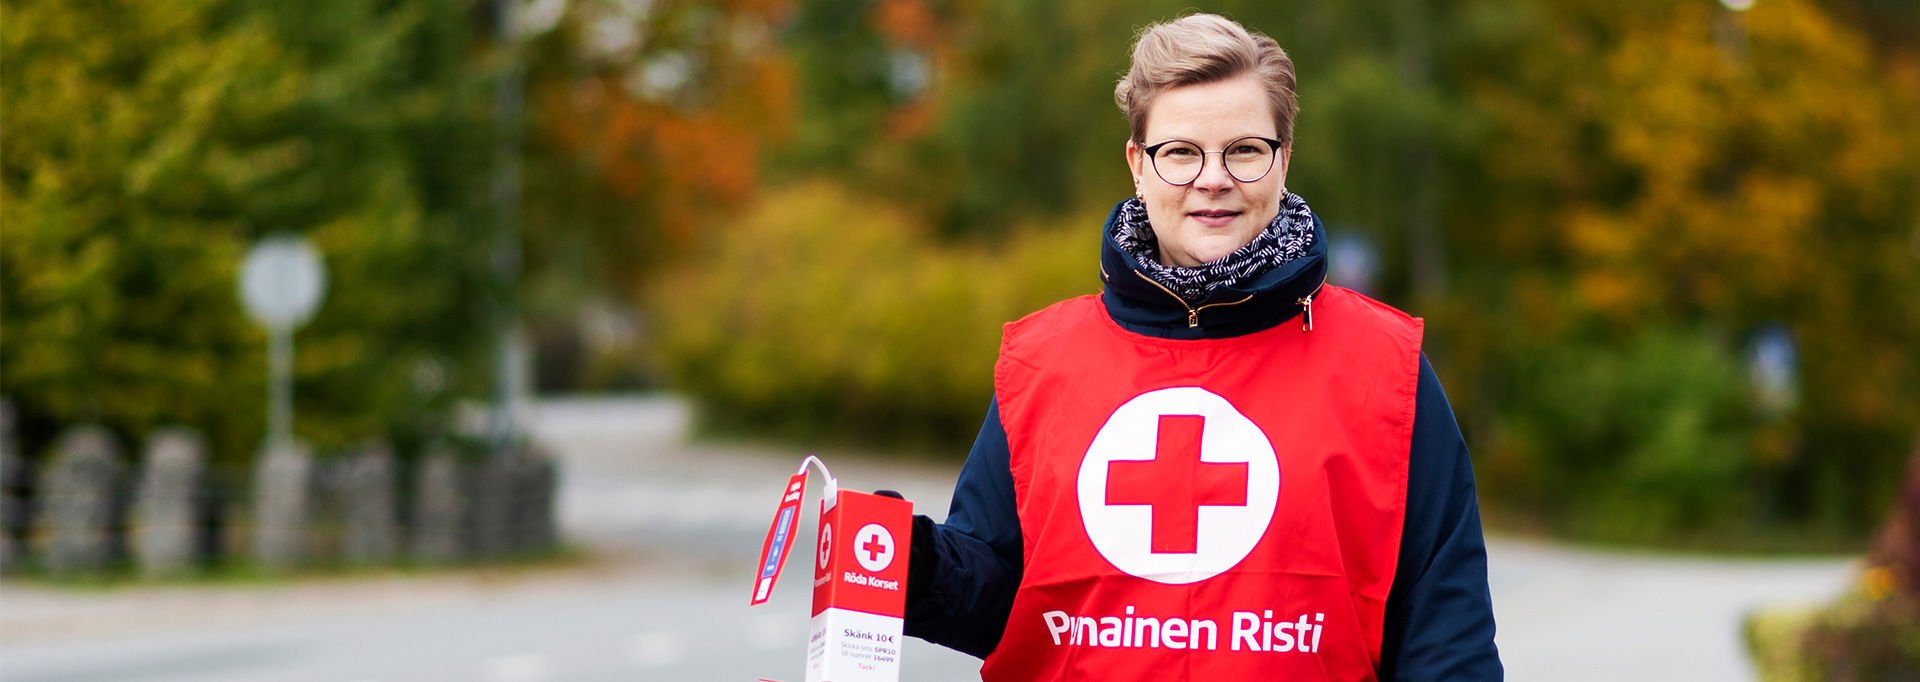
column 1175, row 483
column 874, row 548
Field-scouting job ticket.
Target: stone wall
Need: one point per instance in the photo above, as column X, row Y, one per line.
column 83, row 503
column 94, row 510
column 15, row 485
column 168, row 502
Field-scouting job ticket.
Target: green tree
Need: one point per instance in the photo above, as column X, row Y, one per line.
column 148, row 144
column 1677, row 165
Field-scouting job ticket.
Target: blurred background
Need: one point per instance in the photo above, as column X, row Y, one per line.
column 597, row 272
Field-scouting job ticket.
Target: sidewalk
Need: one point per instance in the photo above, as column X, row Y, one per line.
column 1574, row 615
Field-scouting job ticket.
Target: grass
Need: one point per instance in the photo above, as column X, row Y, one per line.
column 1732, row 541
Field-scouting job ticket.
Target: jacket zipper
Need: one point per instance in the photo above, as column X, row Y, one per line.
column 1306, row 304
column 1193, row 314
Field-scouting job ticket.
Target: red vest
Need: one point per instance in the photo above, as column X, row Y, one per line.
column 1222, row 509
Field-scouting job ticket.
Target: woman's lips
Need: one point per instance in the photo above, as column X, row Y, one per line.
column 1214, row 217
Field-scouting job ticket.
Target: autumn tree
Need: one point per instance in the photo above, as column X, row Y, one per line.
column 148, row 144
column 649, row 123
column 1681, row 169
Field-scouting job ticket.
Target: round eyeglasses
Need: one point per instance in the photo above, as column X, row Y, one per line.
column 1180, row 162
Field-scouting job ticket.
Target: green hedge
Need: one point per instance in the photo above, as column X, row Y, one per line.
column 823, row 314
column 1627, row 442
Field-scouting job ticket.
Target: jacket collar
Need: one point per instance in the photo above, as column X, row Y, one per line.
column 1143, row 306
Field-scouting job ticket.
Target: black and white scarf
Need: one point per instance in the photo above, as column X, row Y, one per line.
column 1289, row 236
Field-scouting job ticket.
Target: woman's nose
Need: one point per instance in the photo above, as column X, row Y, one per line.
column 1213, row 176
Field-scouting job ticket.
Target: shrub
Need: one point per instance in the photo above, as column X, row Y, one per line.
column 1633, row 441
column 1856, row 639
column 825, row 314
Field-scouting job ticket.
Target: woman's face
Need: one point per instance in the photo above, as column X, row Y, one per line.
column 1205, row 220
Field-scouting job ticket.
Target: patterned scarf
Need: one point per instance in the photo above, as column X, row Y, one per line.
column 1289, row 236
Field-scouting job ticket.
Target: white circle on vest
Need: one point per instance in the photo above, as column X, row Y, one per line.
column 873, row 547
column 1206, row 530
column 826, row 544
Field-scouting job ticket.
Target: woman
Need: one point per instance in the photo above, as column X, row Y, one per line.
column 1222, row 467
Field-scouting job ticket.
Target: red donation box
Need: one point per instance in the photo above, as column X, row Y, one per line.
column 859, row 588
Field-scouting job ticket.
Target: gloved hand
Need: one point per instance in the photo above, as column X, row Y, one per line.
column 921, row 556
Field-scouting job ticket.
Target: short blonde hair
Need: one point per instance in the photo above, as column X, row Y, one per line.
column 1204, row 48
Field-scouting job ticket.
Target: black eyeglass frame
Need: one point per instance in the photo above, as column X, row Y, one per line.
column 1273, row 145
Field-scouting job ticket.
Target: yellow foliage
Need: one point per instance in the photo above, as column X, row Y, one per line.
column 1878, row 583
column 1741, row 135
column 824, row 311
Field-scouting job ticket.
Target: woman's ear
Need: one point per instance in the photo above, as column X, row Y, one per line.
column 1286, row 164
column 1135, row 163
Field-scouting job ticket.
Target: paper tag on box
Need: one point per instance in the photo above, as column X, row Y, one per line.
column 779, row 542
column 859, row 588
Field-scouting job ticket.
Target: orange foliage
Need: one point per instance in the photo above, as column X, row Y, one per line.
column 1731, row 128
column 907, row 22
column 704, row 165
column 911, row 120
column 912, row 25
column 678, row 164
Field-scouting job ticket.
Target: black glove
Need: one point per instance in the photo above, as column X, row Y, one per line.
column 920, row 553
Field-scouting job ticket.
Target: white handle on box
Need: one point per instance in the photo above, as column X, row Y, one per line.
column 829, row 495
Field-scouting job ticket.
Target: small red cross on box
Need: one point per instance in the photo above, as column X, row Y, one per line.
column 874, row 548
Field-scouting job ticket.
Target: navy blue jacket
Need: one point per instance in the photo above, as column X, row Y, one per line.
column 1439, row 612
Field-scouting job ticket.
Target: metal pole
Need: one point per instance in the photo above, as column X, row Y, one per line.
column 506, row 199
column 1426, row 238
column 279, row 387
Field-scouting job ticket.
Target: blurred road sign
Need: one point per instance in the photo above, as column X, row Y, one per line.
column 1352, row 260
column 1773, row 369
column 282, row 282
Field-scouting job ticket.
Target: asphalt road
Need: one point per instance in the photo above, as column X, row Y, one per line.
column 673, row 530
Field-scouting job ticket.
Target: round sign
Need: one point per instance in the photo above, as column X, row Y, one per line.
column 282, row 282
